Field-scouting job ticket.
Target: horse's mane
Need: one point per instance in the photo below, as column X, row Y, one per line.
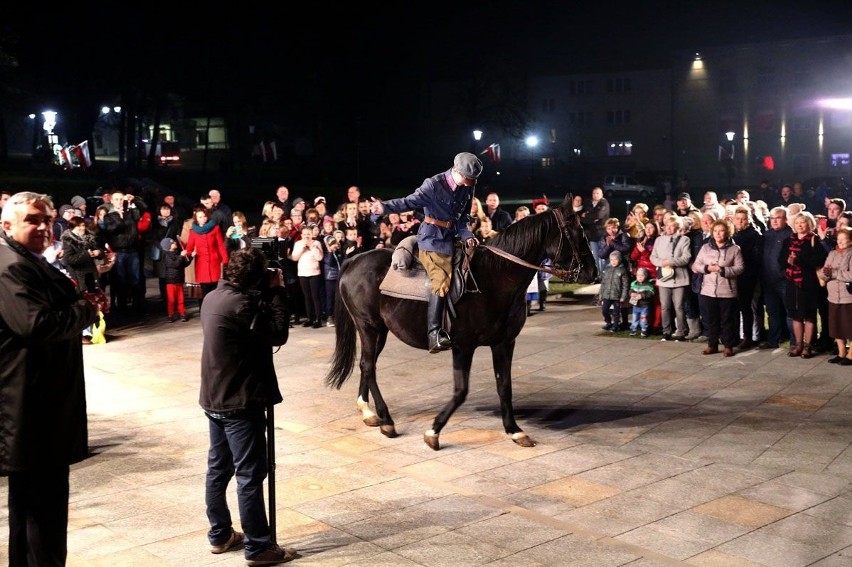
column 523, row 238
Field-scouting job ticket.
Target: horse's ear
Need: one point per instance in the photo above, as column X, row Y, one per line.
column 568, row 201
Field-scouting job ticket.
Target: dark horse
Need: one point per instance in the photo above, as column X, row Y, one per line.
column 493, row 317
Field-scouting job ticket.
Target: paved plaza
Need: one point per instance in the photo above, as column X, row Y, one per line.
column 649, row 454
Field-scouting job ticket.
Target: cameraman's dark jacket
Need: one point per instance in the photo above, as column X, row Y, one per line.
column 240, row 332
column 121, row 233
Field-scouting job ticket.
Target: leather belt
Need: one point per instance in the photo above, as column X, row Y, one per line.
column 437, row 222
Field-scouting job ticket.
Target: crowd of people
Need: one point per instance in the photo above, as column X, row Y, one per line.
column 736, row 273
column 733, row 273
column 133, row 235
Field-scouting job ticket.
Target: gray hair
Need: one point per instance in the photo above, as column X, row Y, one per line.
column 16, row 206
column 776, row 210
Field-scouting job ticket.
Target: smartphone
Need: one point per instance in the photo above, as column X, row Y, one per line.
column 823, row 224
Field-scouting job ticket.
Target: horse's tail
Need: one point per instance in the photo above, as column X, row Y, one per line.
column 343, row 360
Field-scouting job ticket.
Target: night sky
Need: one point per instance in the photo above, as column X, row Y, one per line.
column 350, row 45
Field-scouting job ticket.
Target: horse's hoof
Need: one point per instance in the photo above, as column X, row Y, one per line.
column 431, row 439
column 388, row 431
column 372, row 421
column 523, row 439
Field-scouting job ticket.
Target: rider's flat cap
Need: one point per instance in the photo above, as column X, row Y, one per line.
column 468, row 165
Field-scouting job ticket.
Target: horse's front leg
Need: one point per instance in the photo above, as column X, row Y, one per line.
column 501, row 357
column 369, row 354
column 462, row 361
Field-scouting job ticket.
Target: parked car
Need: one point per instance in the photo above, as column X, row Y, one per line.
column 625, row 186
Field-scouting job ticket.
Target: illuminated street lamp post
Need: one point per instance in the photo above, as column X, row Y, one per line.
column 730, row 162
column 477, row 136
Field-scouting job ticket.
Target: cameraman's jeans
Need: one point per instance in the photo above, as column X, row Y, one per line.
column 238, row 444
column 124, row 278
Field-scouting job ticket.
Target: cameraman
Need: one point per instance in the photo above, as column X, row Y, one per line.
column 242, row 320
column 121, row 234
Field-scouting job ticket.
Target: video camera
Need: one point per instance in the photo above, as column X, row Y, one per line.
column 270, row 248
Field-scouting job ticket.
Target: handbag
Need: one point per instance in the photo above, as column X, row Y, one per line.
column 192, row 290
column 665, row 274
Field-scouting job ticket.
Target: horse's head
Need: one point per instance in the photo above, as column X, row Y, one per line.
column 574, row 255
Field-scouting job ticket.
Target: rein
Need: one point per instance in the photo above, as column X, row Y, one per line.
column 566, row 275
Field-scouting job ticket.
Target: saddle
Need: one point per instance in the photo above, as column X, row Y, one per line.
column 407, row 278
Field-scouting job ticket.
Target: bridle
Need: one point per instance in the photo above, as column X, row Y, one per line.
column 572, row 273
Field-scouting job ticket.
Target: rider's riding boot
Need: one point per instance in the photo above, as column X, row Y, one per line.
column 438, row 338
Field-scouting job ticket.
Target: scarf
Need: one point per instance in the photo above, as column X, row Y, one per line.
column 794, row 273
column 165, row 221
column 203, row 229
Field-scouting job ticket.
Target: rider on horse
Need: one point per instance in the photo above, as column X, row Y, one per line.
column 445, row 199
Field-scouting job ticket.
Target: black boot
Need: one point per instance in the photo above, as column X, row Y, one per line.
column 438, row 338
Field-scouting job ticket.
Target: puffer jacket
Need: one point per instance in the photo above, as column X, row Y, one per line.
column 721, row 284
column 841, row 273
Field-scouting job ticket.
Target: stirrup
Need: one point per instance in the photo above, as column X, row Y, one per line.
column 439, row 340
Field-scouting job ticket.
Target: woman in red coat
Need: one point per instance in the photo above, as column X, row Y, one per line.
column 640, row 257
column 207, row 246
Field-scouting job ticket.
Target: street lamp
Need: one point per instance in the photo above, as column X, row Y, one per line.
column 532, row 142
column 477, row 136
column 729, row 135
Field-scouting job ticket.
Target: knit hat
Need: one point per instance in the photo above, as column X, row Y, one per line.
column 615, row 254
column 643, row 271
column 63, row 209
column 166, row 244
column 77, row 201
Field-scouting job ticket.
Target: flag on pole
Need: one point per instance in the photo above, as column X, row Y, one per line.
column 83, row 155
column 493, row 152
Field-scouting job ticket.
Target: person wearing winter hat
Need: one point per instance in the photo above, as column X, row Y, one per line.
column 445, row 200
column 174, row 265
column 60, row 223
column 615, row 286
column 80, row 204
column 642, row 299
column 320, row 206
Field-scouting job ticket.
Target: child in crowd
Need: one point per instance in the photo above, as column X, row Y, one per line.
column 615, row 286
column 642, row 300
column 350, row 245
column 174, row 264
column 332, row 259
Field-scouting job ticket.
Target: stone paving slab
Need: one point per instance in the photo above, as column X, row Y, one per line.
column 649, row 454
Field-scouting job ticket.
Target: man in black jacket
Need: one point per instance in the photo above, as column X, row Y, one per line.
column 750, row 241
column 121, row 235
column 242, row 320
column 500, row 219
column 43, row 429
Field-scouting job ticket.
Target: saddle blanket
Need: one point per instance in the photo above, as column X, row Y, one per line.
column 407, row 284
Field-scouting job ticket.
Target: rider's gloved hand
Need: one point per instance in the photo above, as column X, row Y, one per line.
column 471, row 242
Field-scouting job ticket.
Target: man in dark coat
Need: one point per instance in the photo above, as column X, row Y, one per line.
column 445, row 199
column 243, row 320
column 43, row 427
column 750, row 241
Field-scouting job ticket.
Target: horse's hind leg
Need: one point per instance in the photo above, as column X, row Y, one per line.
column 370, row 350
column 501, row 357
column 462, row 361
